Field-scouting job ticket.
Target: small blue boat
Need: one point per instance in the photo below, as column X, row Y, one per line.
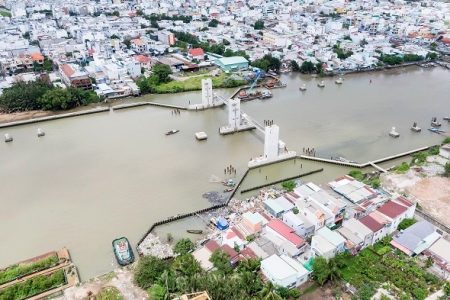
column 432, row 129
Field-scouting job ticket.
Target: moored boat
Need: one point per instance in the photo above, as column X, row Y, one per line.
column 122, row 251
column 228, row 182
column 228, row 190
column 446, row 118
column 194, row 231
column 303, row 87
column 339, row 81
column 172, row 131
column 321, row 84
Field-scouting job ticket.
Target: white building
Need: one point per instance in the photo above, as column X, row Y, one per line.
column 284, row 271
column 293, row 221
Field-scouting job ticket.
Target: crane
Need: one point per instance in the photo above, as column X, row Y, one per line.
column 247, row 93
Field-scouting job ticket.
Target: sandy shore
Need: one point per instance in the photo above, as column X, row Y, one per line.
column 25, row 115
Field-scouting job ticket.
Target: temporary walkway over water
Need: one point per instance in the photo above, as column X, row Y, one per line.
column 370, row 163
column 243, row 115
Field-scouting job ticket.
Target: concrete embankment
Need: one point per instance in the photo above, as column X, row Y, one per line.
column 55, row 117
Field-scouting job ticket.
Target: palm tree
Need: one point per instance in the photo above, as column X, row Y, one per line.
column 187, row 265
column 250, row 282
column 268, row 292
column 334, row 272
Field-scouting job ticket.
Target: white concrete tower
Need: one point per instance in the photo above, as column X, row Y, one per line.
column 234, row 113
column 271, row 142
column 207, row 93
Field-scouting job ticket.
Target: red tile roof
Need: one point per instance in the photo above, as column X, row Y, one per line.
column 67, row 70
column 286, row 232
column 248, row 253
column 370, row 223
column 405, row 202
column 238, row 233
column 229, row 250
column 142, row 58
column 212, row 246
column 392, row 209
column 196, row 52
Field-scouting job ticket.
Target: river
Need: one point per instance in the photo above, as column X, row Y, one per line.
column 98, row 177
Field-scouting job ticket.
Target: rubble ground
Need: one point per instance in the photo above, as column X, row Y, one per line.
column 422, row 184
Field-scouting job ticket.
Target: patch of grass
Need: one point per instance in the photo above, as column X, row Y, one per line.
column 403, row 168
column 110, row 293
column 310, row 289
column 5, row 13
column 195, row 84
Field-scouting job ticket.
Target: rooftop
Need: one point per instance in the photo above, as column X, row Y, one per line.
column 371, row 223
column 331, row 236
column 232, row 60
column 392, row 209
column 286, row 232
column 277, row 267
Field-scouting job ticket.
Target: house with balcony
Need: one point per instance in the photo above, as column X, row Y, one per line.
column 284, row 238
column 360, row 230
column 393, row 212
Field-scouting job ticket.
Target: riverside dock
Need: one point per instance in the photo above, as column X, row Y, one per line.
column 55, row 117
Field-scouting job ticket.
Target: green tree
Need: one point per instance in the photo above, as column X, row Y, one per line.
column 162, row 72
column 148, row 271
column 321, row 270
column 221, row 261
column 447, row 289
column 288, row 185
column 48, row 65
column 447, row 169
column 213, row 23
column 26, row 35
column 157, row 292
column 282, row 291
column 268, row 292
column 259, row 25
column 319, row 67
column 307, row 67
column 114, row 37
column 116, row 13
column 295, row 66
column 294, row 293
column 365, row 293
column 432, row 55
column 183, row 246
column 357, row 174
column 22, row 96
column 127, row 43
column 187, row 265
column 429, row 262
column 405, row 223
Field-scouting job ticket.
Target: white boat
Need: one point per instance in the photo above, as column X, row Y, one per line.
column 8, row 138
column 394, row 133
column 339, row 81
column 40, row 132
column 303, row 87
column 321, row 84
column 435, row 122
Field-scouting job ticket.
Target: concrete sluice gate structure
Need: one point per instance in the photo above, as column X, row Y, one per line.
column 236, row 120
column 209, row 99
column 274, row 149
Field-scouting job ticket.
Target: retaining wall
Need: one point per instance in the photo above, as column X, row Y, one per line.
column 423, row 216
column 137, row 104
column 278, row 181
column 55, row 117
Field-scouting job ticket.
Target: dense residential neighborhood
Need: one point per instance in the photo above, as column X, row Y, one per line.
column 368, row 240
column 106, row 46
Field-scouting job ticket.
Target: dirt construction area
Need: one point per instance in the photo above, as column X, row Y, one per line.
column 422, row 184
column 121, row 278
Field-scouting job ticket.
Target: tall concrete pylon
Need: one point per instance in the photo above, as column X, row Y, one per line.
column 234, row 113
column 207, row 93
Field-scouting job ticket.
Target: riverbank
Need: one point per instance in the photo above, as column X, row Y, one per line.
column 219, row 80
